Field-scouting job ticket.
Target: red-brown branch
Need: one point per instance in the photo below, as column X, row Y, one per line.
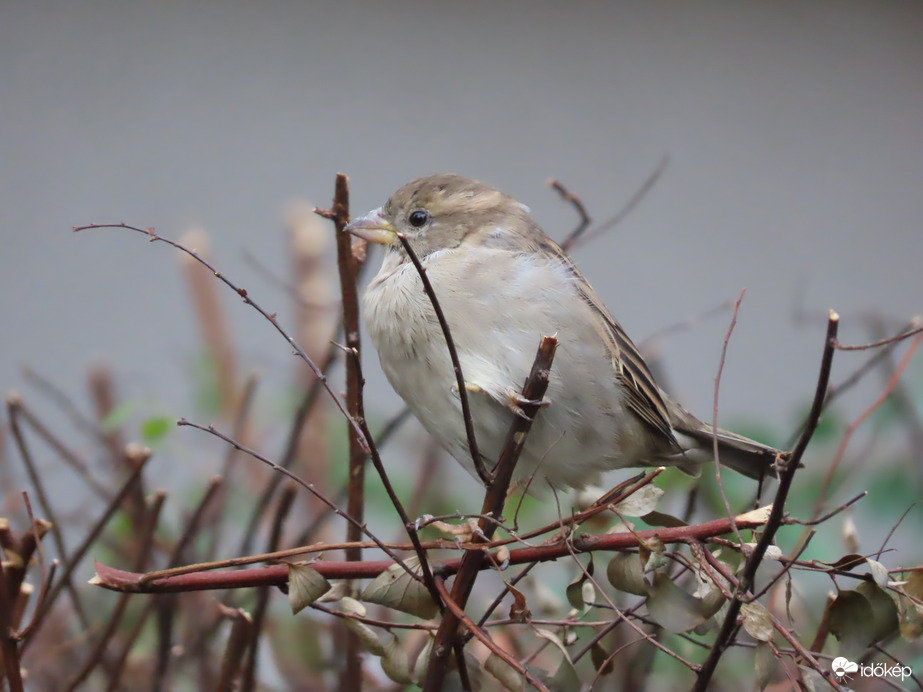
column 276, row 575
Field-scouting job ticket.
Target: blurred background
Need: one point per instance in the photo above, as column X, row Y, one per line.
column 792, row 136
column 793, row 132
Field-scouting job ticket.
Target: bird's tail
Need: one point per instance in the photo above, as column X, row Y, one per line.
column 749, row 457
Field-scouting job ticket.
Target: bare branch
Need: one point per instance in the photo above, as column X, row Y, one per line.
column 152, row 236
column 786, row 476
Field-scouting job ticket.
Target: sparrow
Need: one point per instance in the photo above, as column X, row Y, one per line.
column 502, row 284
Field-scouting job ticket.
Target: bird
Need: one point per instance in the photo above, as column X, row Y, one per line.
column 502, row 284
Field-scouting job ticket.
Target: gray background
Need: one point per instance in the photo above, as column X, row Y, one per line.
column 794, row 132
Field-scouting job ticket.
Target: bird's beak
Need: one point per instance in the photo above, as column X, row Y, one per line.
column 373, row 228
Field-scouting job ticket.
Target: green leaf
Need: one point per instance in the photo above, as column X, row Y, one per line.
column 118, row 416
column 155, row 428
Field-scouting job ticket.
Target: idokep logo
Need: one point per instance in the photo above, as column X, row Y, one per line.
column 844, row 668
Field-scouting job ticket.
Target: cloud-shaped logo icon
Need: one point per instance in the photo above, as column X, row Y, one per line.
column 841, row 666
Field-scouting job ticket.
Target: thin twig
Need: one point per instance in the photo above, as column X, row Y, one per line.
column 64, row 452
column 577, row 204
column 152, row 236
column 307, row 486
column 114, row 619
column 905, row 334
column 248, row 684
column 714, row 420
column 14, row 409
column 240, row 638
column 633, row 202
column 482, row 472
column 46, row 576
column 140, row 457
column 239, row 425
column 535, row 386
column 861, row 418
column 786, row 476
column 482, row 637
column 289, row 454
column 185, row 540
column 120, row 580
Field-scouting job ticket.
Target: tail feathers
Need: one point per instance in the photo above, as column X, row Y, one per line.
column 752, row 459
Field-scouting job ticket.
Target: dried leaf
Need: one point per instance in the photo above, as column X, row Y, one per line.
column 574, row 593
column 601, row 661
column 625, row 574
column 914, row 584
column 661, row 519
column 305, row 585
column 910, row 613
column 765, row 663
column 813, row 681
column 340, row 589
column 395, row 588
column 879, row 572
column 758, row 516
column 519, row 610
column 773, row 552
column 850, row 535
column 642, row 501
column 757, row 621
column 504, row 673
column 554, row 639
column 565, row 678
column 621, row 527
column 884, row 611
column 588, row 592
column 422, row 660
column 671, row 607
column 846, row 562
column 910, row 618
column 366, row 634
column 848, row 619
column 652, row 551
column 395, row 663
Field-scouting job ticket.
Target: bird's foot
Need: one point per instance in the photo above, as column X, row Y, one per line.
column 515, row 401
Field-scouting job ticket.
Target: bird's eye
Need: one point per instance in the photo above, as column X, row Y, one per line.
column 418, row 218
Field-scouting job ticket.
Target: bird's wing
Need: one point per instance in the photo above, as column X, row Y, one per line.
column 644, row 396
